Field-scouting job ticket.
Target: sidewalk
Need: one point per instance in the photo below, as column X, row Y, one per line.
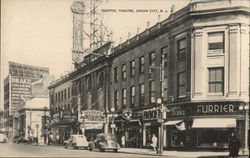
column 181, row 154
column 170, row 153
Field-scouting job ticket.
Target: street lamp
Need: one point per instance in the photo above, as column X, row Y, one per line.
column 113, row 115
column 246, row 108
column 161, row 120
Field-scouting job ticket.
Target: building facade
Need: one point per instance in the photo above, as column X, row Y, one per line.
column 202, row 54
column 33, row 119
column 23, row 83
column 63, row 118
column 196, row 62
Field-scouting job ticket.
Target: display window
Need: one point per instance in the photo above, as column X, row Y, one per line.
column 213, row 138
column 150, row 130
column 177, row 137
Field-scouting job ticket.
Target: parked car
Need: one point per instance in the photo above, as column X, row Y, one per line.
column 19, row 140
column 105, row 142
column 76, row 142
column 3, row 138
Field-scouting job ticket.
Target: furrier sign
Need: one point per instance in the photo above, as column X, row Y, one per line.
column 195, row 109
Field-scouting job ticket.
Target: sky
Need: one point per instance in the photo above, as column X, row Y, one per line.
column 39, row 32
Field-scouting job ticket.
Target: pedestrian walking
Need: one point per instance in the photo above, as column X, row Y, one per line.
column 234, row 145
column 123, row 141
column 154, row 142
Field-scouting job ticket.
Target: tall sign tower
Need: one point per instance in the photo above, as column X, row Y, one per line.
column 77, row 9
column 89, row 31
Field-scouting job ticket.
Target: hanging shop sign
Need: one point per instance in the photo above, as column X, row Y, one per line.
column 92, row 126
column 93, row 116
column 211, row 108
column 151, row 114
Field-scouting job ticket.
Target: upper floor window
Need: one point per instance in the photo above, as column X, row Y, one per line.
column 69, row 92
column 132, row 68
column 116, row 74
column 89, row 83
column 152, row 92
column 181, row 84
column 181, row 51
column 152, row 59
column 124, row 73
column 216, row 42
column 216, row 80
column 164, row 60
column 124, row 97
column 116, row 100
column 65, row 94
column 141, row 64
column 142, row 91
column 132, row 96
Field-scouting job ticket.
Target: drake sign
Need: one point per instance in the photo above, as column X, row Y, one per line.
column 92, row 116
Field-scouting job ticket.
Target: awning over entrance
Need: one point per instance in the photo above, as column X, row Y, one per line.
column 174, row 122
column 214, row 123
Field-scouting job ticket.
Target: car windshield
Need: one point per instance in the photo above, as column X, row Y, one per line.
column 109, row 137
column 78, row 137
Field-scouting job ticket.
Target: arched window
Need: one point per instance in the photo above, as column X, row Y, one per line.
column 89, row 83
column 100, row 79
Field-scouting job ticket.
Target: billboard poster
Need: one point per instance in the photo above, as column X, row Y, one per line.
column 21, row 90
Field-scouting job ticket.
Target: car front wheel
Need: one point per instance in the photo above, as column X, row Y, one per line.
column 74, row 146
column 65, row 146
column 115, row 150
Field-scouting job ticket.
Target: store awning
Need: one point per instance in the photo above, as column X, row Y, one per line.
column 174, row 122
column 214, row 123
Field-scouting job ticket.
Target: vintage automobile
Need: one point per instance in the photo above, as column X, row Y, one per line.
column 3, row 138
column 76, row 142
column 21, row 139
column 105, row 142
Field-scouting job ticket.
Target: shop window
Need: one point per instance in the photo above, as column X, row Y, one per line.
column 132, row 68
column 116, row 98
column 141, row 64
column 142, row 97
column 150, row 130
column 152, row 92
column 124, row 98
column 181, row 50
column 216, row 42
column 124, row 73
column 177, row 137
column 181, row 84
column 132, row 96
column 216, row 81
column 116, row 74
column 213, row 138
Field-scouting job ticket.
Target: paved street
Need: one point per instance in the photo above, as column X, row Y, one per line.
column 22, row 150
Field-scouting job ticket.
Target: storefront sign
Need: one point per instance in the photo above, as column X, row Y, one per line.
column 92, row 126
column 150, row 114
column 93, row 116
column 196, row 109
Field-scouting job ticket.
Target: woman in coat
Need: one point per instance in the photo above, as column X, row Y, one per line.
column 234, row 145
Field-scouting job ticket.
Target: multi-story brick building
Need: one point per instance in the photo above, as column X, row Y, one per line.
column 196, row 61
column 205, row 51
column 23, row 83
column 63, row 120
